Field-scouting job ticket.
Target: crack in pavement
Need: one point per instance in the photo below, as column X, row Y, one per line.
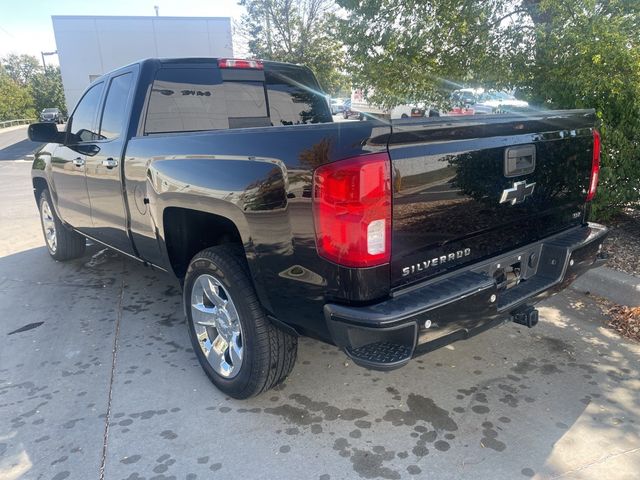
column 114, row 357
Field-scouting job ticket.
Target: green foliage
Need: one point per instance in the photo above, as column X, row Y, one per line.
column 47, row 91
column 415, row 51
column 15, row 100
column 26, row 88
column 21, row 68
column 587, row 55
column 297, row 31
column 569, row 54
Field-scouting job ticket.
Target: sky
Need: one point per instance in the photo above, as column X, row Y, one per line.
column 25, row 25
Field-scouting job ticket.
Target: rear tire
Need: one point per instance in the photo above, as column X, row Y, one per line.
column 62, row 242
column 240, row 350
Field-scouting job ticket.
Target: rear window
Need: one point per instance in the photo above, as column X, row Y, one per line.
column 196, row 99
column 294, row 97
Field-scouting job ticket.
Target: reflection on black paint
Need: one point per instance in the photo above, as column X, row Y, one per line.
column 448, row 202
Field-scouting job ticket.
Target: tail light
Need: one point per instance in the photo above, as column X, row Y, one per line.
column 595, row 166
column 237, row 63
column 352, row 210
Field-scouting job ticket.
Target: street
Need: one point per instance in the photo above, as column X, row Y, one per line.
column 14, row 143
column 98, row 381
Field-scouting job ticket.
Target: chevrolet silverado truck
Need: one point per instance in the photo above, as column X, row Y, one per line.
column 387, row 239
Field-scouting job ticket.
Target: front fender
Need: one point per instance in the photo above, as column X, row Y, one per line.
column 41, row 169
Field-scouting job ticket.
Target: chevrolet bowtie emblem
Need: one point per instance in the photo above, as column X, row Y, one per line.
column 518, row 193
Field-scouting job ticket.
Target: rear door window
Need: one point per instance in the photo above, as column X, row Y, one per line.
column 114, row 113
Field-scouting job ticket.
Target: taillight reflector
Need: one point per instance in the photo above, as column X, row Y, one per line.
column 352, row 210
column 595, row 166
column 238, row 63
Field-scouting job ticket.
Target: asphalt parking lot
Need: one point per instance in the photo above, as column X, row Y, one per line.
column 98, row 381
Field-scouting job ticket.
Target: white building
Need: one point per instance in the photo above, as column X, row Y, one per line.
column 89, row 46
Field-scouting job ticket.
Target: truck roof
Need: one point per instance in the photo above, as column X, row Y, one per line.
column 154, row 62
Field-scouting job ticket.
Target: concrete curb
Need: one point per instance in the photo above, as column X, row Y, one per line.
column 618, row 287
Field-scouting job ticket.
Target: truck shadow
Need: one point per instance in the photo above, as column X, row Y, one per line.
column 509, row 403
column 18, row 150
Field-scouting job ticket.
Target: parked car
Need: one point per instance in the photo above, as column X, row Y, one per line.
column 465, row 97
column 51, row 115
column 498, row 102
column 359, row 107
column 337, row 106
column 407, row 111
column 388, row 239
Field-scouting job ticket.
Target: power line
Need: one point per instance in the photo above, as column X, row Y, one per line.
column 6, row 31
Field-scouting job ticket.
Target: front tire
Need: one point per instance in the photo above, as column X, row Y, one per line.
column 240, row 350
column 62, row 242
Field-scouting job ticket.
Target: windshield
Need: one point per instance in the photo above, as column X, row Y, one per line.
column 50, row 110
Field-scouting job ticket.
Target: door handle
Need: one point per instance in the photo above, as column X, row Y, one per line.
column 110, row 163
column 78, row 162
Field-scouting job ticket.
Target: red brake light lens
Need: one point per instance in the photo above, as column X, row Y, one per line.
column 238, row 63
column 352, row 210
column 595, row 166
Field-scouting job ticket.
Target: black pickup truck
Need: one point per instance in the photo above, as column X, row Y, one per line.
column 386, row 239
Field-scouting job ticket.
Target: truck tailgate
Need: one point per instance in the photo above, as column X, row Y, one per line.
column 469, row 188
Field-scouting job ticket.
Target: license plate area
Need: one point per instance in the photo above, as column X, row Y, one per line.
column 513, row 270
column 524, row 273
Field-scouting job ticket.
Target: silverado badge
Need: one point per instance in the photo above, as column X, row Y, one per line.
column 434, row 262
column 518, row 193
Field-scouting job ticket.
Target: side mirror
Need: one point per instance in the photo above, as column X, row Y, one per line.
column 45, row 132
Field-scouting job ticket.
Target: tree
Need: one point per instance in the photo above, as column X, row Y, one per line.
column 46, row 90
column 21, row 68
column 296, row 31
column 15, row 100
column 415, row 51
column 26, row 85
column 569, row 54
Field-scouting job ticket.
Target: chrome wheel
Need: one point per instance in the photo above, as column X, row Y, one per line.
column 217, row 325
column 49, row 226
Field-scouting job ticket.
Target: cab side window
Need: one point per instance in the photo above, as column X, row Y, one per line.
column 83, row 122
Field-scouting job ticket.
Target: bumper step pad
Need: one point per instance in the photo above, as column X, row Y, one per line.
column 381, row 355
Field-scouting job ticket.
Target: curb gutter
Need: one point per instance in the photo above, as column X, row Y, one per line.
column 618, row 287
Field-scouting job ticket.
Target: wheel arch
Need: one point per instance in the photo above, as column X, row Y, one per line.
column 40, row 184
column 187, row 231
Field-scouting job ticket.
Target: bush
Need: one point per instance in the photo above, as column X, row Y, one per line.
column 590, row 58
